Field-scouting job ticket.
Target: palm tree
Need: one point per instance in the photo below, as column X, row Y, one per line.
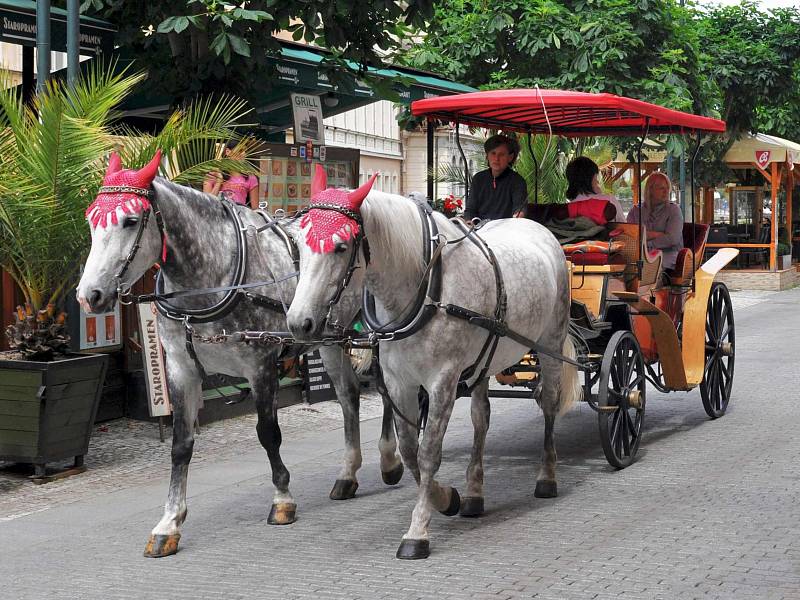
column 52, row 160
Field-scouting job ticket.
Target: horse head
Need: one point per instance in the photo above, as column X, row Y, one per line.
column 125, row 240
column 333, row 232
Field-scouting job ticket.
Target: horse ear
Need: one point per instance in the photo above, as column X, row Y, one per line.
column 150, row 170
column 114, row 164
column 356, row 197
column 320, row 181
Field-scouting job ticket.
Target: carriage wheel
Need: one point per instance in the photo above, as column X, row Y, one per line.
column 715, row 389
column 621, row 399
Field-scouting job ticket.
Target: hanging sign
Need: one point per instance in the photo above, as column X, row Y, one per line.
column 762, row 158
column 307, row 113
column 153, row 359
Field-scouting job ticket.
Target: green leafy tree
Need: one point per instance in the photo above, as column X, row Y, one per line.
column 204, row 46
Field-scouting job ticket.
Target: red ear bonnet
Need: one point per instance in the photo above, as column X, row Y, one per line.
column 122, row 188
column 329, row 213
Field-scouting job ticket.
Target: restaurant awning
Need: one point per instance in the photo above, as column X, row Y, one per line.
column 763, row 149
column 18, row 26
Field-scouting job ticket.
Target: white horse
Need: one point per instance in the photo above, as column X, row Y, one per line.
column 536, row 281
column 203, row 243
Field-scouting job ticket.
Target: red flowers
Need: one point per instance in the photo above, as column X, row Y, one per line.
column 450, row 205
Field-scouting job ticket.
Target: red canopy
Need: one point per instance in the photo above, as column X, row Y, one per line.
column 571, row 114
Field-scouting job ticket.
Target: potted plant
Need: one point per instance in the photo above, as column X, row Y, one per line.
column 784, row 254
column 52, row 160
column 451, row 206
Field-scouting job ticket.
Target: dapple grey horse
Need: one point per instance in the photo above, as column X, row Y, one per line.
column 537, row 285
column 200, row 244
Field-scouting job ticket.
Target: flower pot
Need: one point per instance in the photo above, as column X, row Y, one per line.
column 784, row 262
column 47, row 409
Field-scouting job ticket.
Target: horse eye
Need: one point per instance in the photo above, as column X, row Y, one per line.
column 129, row 222
column 340, row 247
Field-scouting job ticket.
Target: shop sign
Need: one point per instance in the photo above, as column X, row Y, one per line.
column 153, row 359
column 307, row 113
column 762, row 158
column 318, row 385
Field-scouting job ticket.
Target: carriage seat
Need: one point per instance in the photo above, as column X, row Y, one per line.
column 694, row 242
column 584, row 252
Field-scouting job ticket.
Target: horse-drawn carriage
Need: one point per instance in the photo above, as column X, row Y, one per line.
column 231, row 279
column 635, row 323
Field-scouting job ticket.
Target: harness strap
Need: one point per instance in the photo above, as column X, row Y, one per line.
column 380, row 385
column 214, row 290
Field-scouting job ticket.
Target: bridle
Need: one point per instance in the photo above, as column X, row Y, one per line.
column 124, row 292
column 165, row 308
column 352, row 264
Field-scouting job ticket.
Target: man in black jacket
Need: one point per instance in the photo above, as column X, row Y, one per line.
column 499, row 192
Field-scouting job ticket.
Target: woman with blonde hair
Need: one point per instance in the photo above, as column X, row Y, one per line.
column 662, row 219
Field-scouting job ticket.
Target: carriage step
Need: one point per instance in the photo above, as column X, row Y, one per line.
column 607, row 409
column 524, row 394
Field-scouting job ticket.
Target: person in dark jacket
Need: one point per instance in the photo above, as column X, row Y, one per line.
column 499, row 192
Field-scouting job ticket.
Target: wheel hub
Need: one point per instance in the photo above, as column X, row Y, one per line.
column 726, row 349
column 635, row 399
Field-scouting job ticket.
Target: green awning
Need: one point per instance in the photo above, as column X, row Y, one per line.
column 18, row 26
column 299, row 70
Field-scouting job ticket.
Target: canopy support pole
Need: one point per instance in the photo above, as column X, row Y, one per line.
column 640, row 262
column 692, row 184
column 464, row 162
column 430, row 133
column 535, row 171
column 42, row 44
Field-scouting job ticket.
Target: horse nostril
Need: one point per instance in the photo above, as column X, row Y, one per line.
column 308, row 326
column 95, row 298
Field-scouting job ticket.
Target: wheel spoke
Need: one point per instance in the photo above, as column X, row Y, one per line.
column 632, row 427
column 615, row 429
column 626, row 442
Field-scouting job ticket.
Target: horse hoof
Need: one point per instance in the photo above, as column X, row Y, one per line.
column 414, row 549
column 343, row 489
column 455, row 504
column 159, row 546
column 546, row 488
column 394, row 476
column 471, row 506
column 282, row 513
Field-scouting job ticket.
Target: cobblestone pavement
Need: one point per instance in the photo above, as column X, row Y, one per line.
column 709, row 510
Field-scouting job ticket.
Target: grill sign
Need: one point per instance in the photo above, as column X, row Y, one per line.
column 762, row 158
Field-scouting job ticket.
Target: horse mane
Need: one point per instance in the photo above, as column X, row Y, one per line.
column 394, row 231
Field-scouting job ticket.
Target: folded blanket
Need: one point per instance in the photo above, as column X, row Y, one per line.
column 577, row 229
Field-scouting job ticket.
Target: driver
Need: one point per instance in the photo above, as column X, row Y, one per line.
column 499, row 192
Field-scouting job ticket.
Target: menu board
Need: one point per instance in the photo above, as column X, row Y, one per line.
column 285, row 182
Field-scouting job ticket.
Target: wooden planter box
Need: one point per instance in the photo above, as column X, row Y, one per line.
column 47, row 409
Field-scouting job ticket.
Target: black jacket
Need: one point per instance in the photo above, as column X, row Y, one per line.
column 496, row 197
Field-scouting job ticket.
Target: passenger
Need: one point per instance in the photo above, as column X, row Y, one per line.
column 583, row 183
column 239, row 188
column 662, row 218
column 499, row 192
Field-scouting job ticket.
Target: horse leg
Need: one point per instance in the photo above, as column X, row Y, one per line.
column 391, row 465
column 405, row 399
column 348, row 390
column 472, row 503
column 184, row 384
column 284, row 508
column 432, row 495
column 546, row 486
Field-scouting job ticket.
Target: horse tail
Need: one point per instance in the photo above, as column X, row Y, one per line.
column 571, row 388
